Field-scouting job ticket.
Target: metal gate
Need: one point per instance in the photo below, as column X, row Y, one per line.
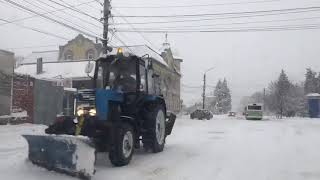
column 48, row 101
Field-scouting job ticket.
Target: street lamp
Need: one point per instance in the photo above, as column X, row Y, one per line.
column 204, row 86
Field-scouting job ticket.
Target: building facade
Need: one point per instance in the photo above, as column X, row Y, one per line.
column 79, row 48
column 68, row 65
column 6, row 73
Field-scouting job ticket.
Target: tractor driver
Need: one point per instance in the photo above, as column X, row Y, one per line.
column 125, row 81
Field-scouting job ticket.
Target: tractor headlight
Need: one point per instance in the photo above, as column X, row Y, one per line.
column 86, row 111
column 92, row 112
column 80, row 112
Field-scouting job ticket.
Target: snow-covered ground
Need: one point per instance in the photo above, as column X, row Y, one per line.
column 222, row 149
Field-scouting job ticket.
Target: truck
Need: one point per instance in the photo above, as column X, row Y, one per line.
column 125, row 110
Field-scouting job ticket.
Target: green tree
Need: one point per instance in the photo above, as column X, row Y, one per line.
column 311, row 84
column 222, row 101
column 283, row 86
column 226, row 101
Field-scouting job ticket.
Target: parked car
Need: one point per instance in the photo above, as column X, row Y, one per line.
column 232, row 114
column 201, row 114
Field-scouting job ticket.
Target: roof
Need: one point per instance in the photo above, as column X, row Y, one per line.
column 47, row 56
column 6, row 52
column 141, row 50
column 53, row 69
column 177, row 58
column 56, row 70
column 313, row 96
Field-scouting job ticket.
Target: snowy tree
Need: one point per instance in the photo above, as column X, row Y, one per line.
column 282, row 97
column 226, row 101
column 311, row 83
column 282, row 93
column 297, row 103
column 271, row 98
column 216, row 106
column 318, row 84
column 222, row 101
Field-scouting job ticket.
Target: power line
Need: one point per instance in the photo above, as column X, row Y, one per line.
column 122, row 42
column 99, row 2
column 74, row 9
column 49, row 12
column 194, row 5
column 49, row 18
column 79, row 26
column 37, row 30
column 218, row 24
column 221, row 14
column 217, row 18
column 311, row 27
column 69, row 14
column 134, row 28
column 226, row 28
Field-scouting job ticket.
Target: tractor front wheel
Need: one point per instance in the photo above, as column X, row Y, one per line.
column 122, row 150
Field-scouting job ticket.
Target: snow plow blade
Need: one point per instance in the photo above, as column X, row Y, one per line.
column 64, row 154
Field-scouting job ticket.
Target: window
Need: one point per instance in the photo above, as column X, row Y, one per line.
column 100, row 78
column 90, row 54
column 254, row 108
column 143, row 78
column 68, row 55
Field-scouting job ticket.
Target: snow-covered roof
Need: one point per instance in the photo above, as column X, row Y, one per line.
column 141, row 50
column 313, row 96
column 47, row 56
column 56, row 70
column 177, row 57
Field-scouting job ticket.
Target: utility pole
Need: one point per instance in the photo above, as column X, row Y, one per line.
column 204, row 91
column 264, row 99
column 204, row 87
column 106, row 13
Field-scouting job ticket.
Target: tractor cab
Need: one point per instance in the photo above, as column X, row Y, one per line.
column 120, row 80
column 122, row 74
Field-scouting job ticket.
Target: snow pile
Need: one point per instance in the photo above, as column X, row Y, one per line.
column 222, row 149
column 16, row 115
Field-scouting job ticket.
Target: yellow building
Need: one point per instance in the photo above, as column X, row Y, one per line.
column 80, row 48
column 65, row 64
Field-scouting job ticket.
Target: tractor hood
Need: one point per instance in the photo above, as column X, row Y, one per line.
column 103, row 99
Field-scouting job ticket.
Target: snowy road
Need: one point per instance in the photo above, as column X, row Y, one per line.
column 220, row 149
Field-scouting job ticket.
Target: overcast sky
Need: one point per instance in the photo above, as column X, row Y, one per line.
column 249, row 60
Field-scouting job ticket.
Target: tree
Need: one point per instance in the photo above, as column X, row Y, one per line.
column 297, row 103
column 318, row 84
column 311, row 84
column 282, row 93
column 226, row 101
column 222, row 101
column 216, row 103
column 271, row 98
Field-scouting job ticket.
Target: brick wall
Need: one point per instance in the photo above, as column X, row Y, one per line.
column 22, row 99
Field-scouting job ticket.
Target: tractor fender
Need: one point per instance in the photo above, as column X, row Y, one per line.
column 156, row 100
column 129, row 120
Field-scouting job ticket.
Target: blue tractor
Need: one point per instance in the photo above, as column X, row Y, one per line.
column 122, row 112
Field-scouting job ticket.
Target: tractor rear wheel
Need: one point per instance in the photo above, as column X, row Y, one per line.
column 123, row 148
column 155, row 137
